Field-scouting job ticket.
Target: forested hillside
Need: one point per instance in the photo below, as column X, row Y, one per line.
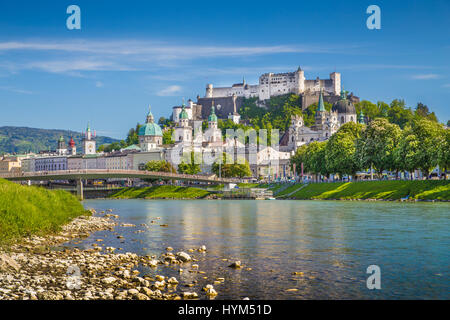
column 23, row 139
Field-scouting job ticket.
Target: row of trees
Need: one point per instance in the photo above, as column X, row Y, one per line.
column 278, row 110
column 225, row 170
column 422, row 144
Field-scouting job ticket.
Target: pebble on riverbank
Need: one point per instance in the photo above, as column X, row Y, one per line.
column 30, row 270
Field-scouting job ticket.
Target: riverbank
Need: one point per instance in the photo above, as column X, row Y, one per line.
column 423, row 190
column 163, row 192
column 26, row 211
column 39, row 268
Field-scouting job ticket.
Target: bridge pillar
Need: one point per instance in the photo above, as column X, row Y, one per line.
column 80, row 189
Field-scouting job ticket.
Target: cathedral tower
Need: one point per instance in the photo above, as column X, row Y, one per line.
column 89, row 142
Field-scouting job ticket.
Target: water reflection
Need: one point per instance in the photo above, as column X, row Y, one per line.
column 331, row 243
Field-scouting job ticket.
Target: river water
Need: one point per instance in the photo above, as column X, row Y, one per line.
column 331, row 242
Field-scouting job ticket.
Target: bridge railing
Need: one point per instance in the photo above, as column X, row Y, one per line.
column 150, row 174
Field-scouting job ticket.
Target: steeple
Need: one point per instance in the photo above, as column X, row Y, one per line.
column 361, row 117
column 88, row 132
column 150, row 118
column 212, row 117
column 320, row 105
column 343, row 95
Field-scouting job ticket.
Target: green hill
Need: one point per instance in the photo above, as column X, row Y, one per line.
column 23, row 139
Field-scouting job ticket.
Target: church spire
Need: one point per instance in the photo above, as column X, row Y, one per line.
column 320, row 105
column 150, row 118
column 361, row 117
column 343, row 95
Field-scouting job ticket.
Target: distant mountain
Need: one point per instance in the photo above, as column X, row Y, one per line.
column 23, row 139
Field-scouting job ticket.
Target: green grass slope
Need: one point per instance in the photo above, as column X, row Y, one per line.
column 387, row 190
column 27, row 210
column 161, row 192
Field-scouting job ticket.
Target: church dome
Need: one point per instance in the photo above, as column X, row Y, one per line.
column 150, row 129
column 344, row 105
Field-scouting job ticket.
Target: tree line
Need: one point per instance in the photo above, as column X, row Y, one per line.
column 384, row 146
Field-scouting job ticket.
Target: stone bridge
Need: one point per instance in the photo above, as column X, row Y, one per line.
column 80, row 175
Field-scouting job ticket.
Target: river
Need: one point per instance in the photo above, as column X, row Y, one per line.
column 331, row 242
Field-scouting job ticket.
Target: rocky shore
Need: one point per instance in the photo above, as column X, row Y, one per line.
column 35, row 269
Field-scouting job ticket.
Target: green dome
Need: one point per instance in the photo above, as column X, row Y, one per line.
column 212, row 117
column 183, row 113
column 150, row 129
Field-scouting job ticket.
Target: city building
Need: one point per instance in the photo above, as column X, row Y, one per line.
column 150, row 134
column 89, row 142
column 326, row 124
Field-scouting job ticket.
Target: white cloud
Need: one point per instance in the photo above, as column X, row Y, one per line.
column 428, row 76
column 156, row 49
column 446, row 85
column 73, row 56
column 15, row 90
column 99, row 84
column 169, row 91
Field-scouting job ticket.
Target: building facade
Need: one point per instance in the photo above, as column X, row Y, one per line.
column 275, row 84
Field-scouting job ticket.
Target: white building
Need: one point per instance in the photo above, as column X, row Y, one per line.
column 275, row 84
column 326, row 124
column 50, row 163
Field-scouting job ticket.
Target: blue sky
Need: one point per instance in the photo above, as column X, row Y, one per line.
column 129, row 54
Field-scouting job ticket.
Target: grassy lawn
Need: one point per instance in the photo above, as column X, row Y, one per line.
column 248, row 185
column 27, row 210
column 389, row 190
column 289, row 190
column 161, row 192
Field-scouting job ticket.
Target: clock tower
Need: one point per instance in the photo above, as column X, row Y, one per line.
column 89, row 142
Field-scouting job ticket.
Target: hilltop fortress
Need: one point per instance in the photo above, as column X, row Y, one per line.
column 275, row 84
column 228, row 100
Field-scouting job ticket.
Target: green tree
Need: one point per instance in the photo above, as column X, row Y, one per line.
column 444, row 151
column 189, row 168
column 298, row 158
column 369, row 109
column 160, row 166
column 419, row 146
column 133, row 135
column 399, row 114
column 405, row 153
column 376, row 145
column 167, row 136
column 341, row 148
column 315, row 158
column 422, row 111
column 229, row 170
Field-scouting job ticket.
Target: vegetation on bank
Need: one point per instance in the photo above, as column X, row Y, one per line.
column 161, row 192
column 26, row 211
column 382, row 190
column 423, row 144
